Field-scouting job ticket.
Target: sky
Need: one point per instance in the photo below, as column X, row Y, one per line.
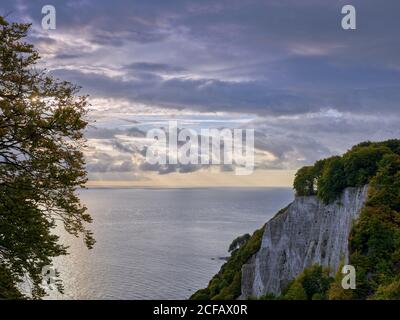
column 285, row 68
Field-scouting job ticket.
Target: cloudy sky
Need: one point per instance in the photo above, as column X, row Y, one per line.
column 283, row 67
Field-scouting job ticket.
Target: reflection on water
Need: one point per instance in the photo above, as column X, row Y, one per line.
column 160, row 243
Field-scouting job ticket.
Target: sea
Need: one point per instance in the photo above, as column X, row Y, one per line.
column 159, row 243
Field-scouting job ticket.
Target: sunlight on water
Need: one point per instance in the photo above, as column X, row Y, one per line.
column 160, row 243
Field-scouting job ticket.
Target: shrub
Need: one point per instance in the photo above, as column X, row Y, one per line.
column 312, row 284
column 238, row 242
column 332, row 181
column 374, row 241
column 304, row 181
column 226, row 285
column 361, row 163
column 295, row 292
column 388, row 292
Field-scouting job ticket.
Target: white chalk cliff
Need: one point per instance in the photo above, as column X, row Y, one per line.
column 308, row 232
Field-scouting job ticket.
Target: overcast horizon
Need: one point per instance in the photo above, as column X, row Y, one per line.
column 285, row 68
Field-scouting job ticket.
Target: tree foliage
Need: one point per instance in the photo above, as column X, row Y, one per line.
column 312, row 284
column 41, row 162
column 336, row 290
column 375, row 237
column 389, row 291
column 374, row 241
column 238, row 242
column 295, row 291
column 304, row 181
column 332, row 180
column 327, row 178
column 361, row 163
column 226, row 285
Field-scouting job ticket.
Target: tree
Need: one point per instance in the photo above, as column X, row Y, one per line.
column 226, row 284
column 332, row 181
column 360, row 164
column 385, row 185
column 238, row 242
column 295, row 292
column 336, row 290
column 312, row 284
column 41, row 162
column 388, row 292
column 316, row 281
column 304, row 181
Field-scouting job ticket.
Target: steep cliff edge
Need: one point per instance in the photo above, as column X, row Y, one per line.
column 316, row 231
column 308, row 232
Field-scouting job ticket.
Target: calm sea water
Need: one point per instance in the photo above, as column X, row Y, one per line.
column 160, row 243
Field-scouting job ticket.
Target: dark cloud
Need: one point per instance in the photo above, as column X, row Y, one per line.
column 298, row 141
column 104, row 162
column 267, row 57
column 274, row 58
column 170, row 168
column 135, row 132
column 101, row 133
column 246, row 96
column 63, row 56
column 202, row 94
column 153, row 67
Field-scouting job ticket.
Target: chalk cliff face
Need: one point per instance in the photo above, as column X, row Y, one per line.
column 308, row 232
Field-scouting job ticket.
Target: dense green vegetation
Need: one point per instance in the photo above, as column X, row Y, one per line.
column 238, row 242
column 8, row 288
column 328, row 177
column 41, row 164
column 374, row 241
column 375, row 238
column 226, row 284
column 312, row 284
